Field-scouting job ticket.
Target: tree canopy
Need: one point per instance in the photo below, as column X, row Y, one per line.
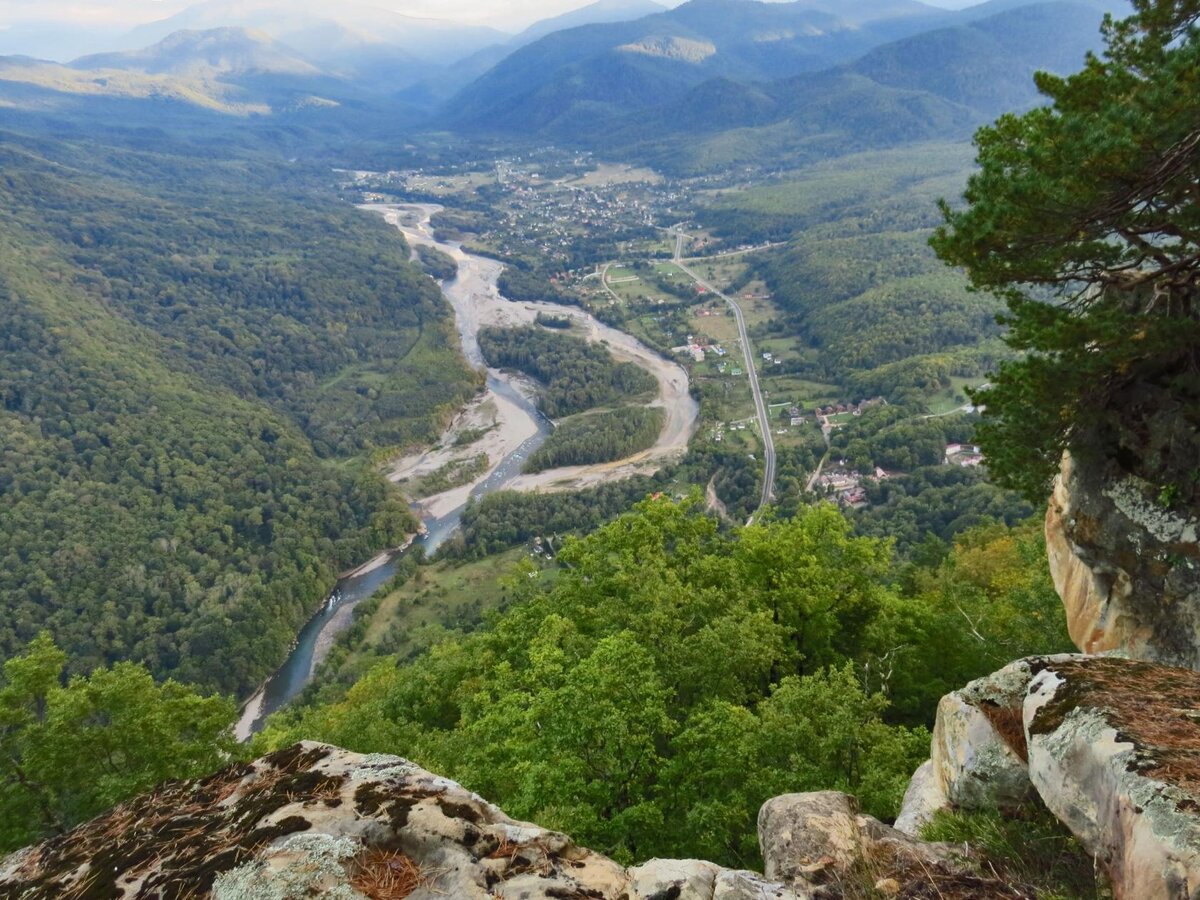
column 1084, row 217
column 590, row 702
column 68, row 751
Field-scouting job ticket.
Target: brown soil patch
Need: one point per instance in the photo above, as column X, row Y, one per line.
column 1009, row 723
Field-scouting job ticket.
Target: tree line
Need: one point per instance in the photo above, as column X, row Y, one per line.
column 598, row 437
column 576, row 376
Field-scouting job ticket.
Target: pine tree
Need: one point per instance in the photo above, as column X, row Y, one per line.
column 1084, row 217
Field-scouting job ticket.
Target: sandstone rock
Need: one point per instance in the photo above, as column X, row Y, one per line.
column 1114, row 751
column 978, row 746
column 1127, row 569
column 683, row 879
column 314, row 821
column 977, row 754
column 820, row 842
column 803, row 835
column 695, row 879
column 923, row 798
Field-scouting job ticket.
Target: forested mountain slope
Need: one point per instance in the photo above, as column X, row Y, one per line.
column 180, row 352
column 566, row 79
column 778, row 83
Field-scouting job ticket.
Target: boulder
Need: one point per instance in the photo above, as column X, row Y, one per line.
column 694, row 879
column 1114, row 752
column 978, row 745
column 1126, row 566
column 977, row 754
column 804, row 835
column 821, row 842
column 923, row 798
column 314, row 821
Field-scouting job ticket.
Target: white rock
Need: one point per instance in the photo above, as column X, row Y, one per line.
column 1086, row 758
column 923, row 798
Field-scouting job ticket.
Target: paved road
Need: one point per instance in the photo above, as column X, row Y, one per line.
column 725, row 254
column 764, row 420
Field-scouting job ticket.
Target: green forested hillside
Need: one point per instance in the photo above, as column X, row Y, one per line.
column 591, row 704
column 177, row 357
column 856, row 276
column 697, row 89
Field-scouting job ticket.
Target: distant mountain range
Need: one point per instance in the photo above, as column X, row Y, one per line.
column 723, row 82
column 213, row 52
column 597, row 70
column 709, row 84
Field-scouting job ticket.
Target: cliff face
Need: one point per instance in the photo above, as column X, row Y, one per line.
column 1126, row 566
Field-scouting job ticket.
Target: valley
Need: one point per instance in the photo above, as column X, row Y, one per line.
column 475, row 296
column 648, row 417
column 514, row 428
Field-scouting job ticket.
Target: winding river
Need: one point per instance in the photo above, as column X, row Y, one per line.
column 476, row 301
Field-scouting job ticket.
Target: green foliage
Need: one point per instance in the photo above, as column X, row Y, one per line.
column 506, row 519
column 969, row 612
column 532, row 284
column 893, row 438
column 942, row 501
column 856, row 279
column 1027, row 847
column 287, row 299
column 438, row 265
column 576, row 375
column 598, row 437
column 161, row 424
column 885, row 194
column 1083, row 216
column 453, row 474
column 70, row 751
column 592, row 704
column 548, row 321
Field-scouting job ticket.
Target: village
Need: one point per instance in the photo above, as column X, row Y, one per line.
column 848, row 487
column 565, row 215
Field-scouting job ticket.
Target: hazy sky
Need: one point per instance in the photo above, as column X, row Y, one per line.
column 132, row 12
column 510, row 14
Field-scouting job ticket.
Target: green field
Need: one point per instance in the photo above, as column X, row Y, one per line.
column 442, row 597
column 953, row 397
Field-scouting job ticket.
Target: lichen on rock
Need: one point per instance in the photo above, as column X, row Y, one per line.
column 1114, row 751
column 1126, row 566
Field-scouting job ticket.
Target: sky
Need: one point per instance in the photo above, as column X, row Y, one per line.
column 511, row 14
column 125, row 13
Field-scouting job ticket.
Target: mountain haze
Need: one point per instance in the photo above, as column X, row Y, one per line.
column 608, row 68
column 216, row 51
column 593, row 14
column 692, row 98
column 328, row 33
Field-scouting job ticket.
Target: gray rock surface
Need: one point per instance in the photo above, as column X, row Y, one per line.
column 977, row 753
column 978, row 746
column 695, row 879
column 822, row 842
column 314, row 821
column 1127, row 567
column 922, row 800
column 1114, row 752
